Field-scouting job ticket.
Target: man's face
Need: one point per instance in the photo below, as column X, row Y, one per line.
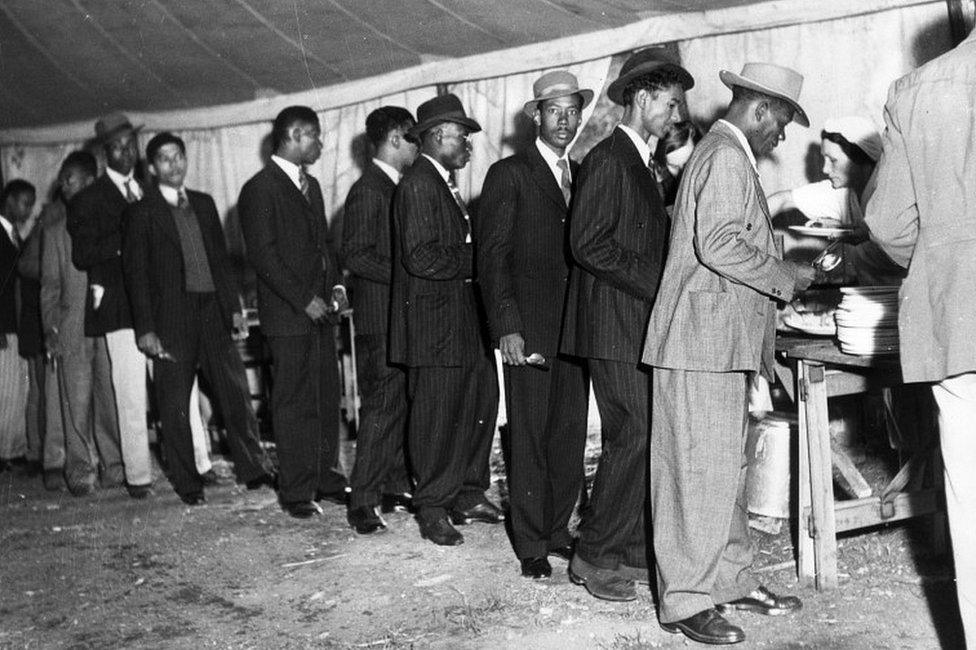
column 455, row 148
column 73, row 180
column 19, row 207
column 770, row 128
column 169, row 165
column 121, row 152
column 308, row 138
column 558, row 121
column 661, row 109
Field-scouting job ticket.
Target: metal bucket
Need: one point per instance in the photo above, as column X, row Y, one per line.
column 768, row 458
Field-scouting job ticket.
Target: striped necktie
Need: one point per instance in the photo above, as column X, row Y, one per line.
column 303, row 185
column 565, row 183
column 464, row 209
column 131, row 195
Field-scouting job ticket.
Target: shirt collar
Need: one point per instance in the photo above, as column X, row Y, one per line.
column 741, row 137
column 118, row 179
column 9, row 227
column 446, row 175
column 642, row 147
column 552, row 159
column 171, row 194
column 292, row 170
column 389, row 170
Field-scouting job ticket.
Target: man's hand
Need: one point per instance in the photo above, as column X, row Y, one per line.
column 340, row 301
column 512, row 347
column 52, row 343
column 150, row 345
column 239, row 328
column 805, row 276
column 316, row 309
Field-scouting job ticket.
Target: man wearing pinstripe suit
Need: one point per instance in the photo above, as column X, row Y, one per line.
column 618, row 231
column 711, row 330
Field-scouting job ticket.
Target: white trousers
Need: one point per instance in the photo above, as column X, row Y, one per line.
column 956, row 397
column 129, row 381
column 14, row 382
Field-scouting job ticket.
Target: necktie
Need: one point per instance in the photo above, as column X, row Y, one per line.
column 131, row 194
column 464, row 209
column 565, row 184
column 655, row 168
column 303, row 184
column 181, row 201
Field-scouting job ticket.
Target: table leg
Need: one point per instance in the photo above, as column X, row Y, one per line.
column 806, row 570
column 821, row 478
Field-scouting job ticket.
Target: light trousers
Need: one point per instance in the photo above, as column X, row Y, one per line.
column 129, row 381
column 13, row 400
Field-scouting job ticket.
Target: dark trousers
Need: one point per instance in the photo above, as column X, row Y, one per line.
column 305, row 414
column 612, row 527
column 451, row 425
column 205, row 343
column 380, row 467
column 546, row 438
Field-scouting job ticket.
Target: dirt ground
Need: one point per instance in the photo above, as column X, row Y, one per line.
column 106, row 571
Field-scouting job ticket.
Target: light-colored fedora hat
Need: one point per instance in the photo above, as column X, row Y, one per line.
column 108, row 126
column 558, row 83
column 773, row 80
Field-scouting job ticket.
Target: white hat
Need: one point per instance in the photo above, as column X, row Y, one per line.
column 859, row 131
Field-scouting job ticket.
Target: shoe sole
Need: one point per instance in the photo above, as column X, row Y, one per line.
column 464, row 521
column 433, row 541
column 765, row 611
column 677, row 629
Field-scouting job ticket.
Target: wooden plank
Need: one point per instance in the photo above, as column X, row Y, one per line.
column 821, row 479
column 786, row 375
column 860, row 513
column 846, row 474
column 805, row 566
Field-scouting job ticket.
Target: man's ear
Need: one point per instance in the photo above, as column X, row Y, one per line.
column 152, row 169
column 295, row 133
column 762, row 107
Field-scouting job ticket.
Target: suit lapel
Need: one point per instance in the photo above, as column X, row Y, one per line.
column 162, row 214
column 625, row 148
column 542, row 175
column 733, row 141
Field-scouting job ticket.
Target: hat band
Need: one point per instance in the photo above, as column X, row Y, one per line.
column 557, row 90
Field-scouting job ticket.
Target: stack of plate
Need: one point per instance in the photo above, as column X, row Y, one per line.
column 867, row 320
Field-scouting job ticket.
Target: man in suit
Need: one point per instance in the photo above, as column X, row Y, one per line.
column 380, row 474
column 923, row 216
column 81, row 421
column 618, row 230
column 435, row 330
column 711, row 330
column 95, row 225
column 184, row 307
column 523, row 266
column 283, row 220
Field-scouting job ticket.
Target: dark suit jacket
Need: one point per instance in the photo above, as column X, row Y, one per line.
column 618, row 233
column 8, row 284
column 154, row 268
column 434, row 318
column 287, row 241
column 523, row 256
column 366, row 243
column 95, row 225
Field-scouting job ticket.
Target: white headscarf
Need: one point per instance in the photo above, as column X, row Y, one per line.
column 859, row 131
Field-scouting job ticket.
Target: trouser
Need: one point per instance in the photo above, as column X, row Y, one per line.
column 198, row 430
column 451, row 425
column 956, row 397
column 35, row 409
column 546, row 438
column 305, row 414
column 128, row 368
column 380, row 467
column 612, row 526
column 204, row 341
column 697, row 476
column 13, row 406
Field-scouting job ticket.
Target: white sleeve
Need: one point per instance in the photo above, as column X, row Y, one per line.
column 822, row 201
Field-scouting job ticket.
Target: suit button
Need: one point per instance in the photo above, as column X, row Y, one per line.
column 640, row 224
column 748, row 226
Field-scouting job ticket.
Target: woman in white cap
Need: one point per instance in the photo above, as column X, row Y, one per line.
column 851, row 147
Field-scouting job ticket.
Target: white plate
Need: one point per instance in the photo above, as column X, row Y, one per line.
column 865, row 291
column 821, row 231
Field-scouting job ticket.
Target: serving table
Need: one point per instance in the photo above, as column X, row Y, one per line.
column 813, row 370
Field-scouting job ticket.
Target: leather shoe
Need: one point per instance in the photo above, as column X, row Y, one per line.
column 139, row 491
column 441, row 532
column 484, row 512
column 209, row 477
column 640, row 575
column 364, row 520
column 707, row 627
column 762, row 601
column 604, row 584
column 271, row 480
column 536, row 567
column 565, row 552
column 338, row 497
column 193, row 499
column 402, row 502
column 302, row 509
column 54, row 480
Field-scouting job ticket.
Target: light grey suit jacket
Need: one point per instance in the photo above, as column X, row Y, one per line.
column 63, row 287
column 716, row 306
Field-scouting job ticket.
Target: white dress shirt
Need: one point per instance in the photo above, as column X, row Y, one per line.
column 389, row 170
column 643, row 148
column 552, row 159
column 291, row 169
column 121, row 182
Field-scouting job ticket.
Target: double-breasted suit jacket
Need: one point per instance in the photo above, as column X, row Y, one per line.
column 618, row 233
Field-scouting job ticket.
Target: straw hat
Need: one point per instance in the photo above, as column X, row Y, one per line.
column 113, row 124
column 443, row 108
column 643, row 62
column 773, row 80
column 558, row 83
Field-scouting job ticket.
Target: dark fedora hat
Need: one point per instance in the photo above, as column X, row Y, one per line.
column 652, row 59
column 109, row 126
column 443, row 108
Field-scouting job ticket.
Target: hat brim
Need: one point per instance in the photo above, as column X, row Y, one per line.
column 108, row 135
column 417, row 130
column 615, row 91
column 530, row 106
column 731, row 79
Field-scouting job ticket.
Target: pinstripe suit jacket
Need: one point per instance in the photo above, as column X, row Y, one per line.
column 365, row 252
column 618, row 230
column 523, row 257
column 434, row 319
column 152, row 258
column 288, row 244
column 716, row 308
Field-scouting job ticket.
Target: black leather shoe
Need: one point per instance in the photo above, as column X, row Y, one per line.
column 441, row 532
column 763, row 601
column 601, row 583
column 193, row 499
column 364, row 520
column 271, row 480
column 139, row 491
column 565, row 552
column 302, row 509
column 396, row 503
column 484, row 512
column 338, row 497
column 536, row 567
column 640, row 575
column 209, row 477
column 707, row 627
